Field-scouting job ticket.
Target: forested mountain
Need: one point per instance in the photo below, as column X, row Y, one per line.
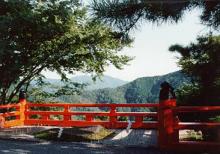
column 141, row 90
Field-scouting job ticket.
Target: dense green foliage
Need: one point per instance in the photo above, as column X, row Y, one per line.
column 125, row 14
column 54, row 35
column 201, row 61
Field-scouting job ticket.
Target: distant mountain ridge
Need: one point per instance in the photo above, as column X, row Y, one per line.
column 100, row 83
column 141, row 90
column 104, row 82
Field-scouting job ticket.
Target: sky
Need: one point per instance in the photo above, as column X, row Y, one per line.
column 151, row 45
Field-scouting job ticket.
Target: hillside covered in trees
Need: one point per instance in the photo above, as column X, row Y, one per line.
column 141, row 90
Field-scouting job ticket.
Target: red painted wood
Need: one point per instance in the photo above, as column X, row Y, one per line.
column 197, row 125
column 10, row 106
column 112, row 114
column 188, row 109
column 91, row 105
column 144, row 114
column 166, row 120
column 168, row 125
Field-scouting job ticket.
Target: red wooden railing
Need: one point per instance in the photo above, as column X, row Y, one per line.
column 12, row 114
column 169, row 126
column 202, row 145
column 166, row 120
column 66, row 113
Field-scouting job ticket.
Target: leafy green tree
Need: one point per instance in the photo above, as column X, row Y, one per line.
column 125, row 14
column 201, row 61
column 54, row 35
column 188, row 94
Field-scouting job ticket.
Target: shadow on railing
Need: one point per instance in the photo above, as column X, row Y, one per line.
column 203, row 126
column 170, row 125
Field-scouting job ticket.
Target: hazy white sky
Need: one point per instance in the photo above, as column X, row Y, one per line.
column 150, row 48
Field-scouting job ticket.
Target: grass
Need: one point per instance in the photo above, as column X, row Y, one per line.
column 75, row 134
column 192, row 135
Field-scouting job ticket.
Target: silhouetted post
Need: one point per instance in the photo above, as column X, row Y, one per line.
column 22, row 95
column 22, row 101
column 166, row 132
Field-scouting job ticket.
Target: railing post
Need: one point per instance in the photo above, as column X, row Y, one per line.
column 2, row 122
column 113, row 118
column 66, row 113
column 89, row 117
column 23, row 103
column 166, row 132
column 66, row 116
column 139, row 121
column 45, row 117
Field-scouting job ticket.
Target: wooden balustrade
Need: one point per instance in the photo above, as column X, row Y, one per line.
column 10, row 115
column 166, row 120
column 170, row 126
column 66, row 113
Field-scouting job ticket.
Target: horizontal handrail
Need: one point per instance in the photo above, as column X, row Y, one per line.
column 194, row 109
column 9, row 106
column 187, row 109
column 148, row 114
column 197, row 125
column 7, row 114
column 92, row 105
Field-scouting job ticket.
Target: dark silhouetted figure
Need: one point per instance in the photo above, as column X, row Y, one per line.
column 165, row 91
column 22, row 94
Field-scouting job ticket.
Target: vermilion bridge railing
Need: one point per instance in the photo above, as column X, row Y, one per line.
column 67, row 114
column 192, row 145
column 165, row 119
